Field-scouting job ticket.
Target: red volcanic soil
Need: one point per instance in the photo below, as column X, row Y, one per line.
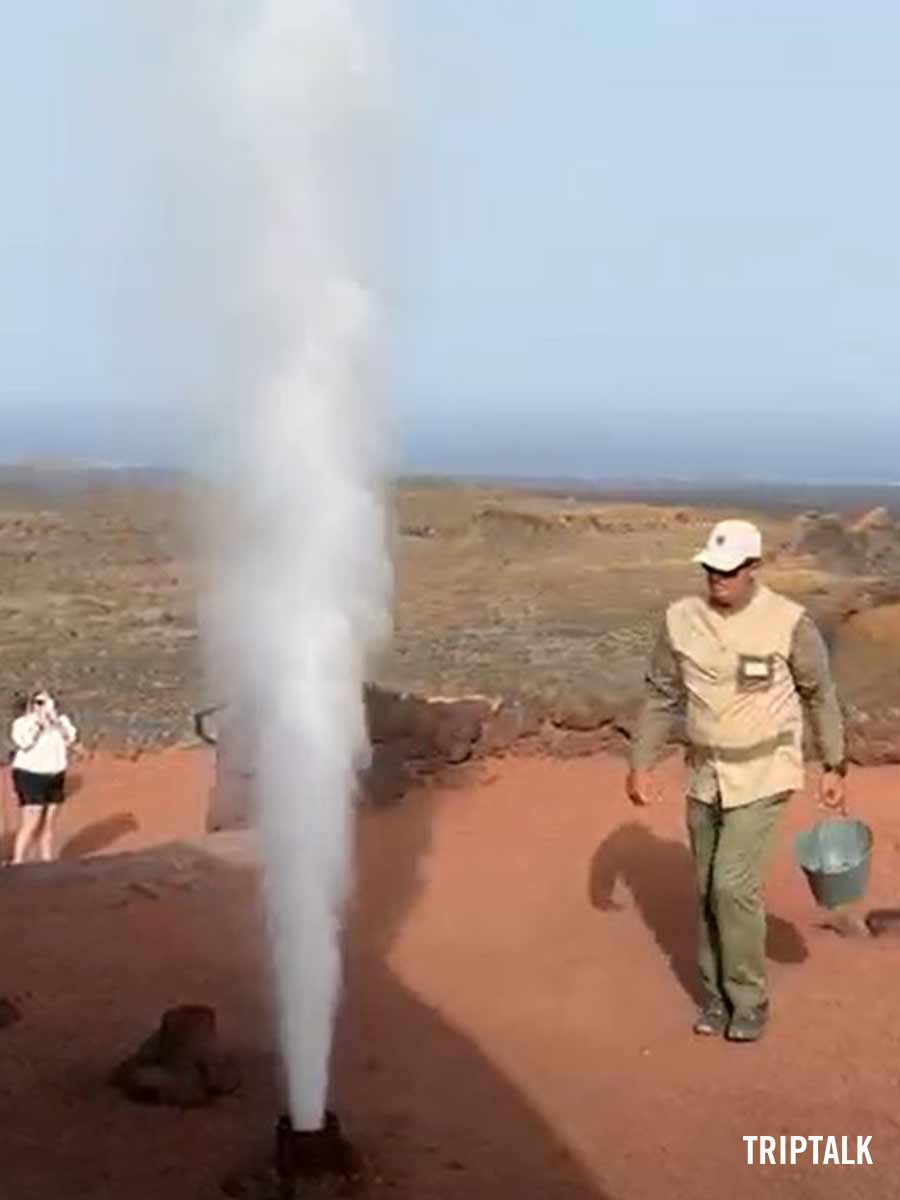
column 517, row 1016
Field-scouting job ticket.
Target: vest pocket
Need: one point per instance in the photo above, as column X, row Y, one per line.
column 755, row 672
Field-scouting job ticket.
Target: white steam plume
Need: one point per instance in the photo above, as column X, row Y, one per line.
column 303, row 573
column 199, row 186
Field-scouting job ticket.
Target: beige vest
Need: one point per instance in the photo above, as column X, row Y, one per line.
column 744, row 718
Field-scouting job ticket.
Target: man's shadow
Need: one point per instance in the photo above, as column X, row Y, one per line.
column 412, row 1077
column 660, row 876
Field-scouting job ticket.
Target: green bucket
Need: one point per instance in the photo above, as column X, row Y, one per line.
column 835, row 857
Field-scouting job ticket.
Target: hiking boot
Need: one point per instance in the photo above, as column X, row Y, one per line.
column 712, row 1020
column 748, row 1025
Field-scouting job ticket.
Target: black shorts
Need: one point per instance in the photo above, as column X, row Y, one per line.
column 42, row 790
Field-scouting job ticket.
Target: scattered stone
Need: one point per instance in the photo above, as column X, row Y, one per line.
column 182, row 1064
column 569, row 743
column 849, row 925
column 884, row 922
column 190, row 883
column 9, row 1013
column 145, row 889
column 583, row 713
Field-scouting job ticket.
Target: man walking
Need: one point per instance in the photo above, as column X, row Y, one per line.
column 740, row 664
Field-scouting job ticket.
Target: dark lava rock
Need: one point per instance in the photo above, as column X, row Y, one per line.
column 182, row 1064
column 9, row 1013
column 582, row 713
column 508, row 724
column 388, row 779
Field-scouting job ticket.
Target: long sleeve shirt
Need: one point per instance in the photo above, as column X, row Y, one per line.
column 809, row 665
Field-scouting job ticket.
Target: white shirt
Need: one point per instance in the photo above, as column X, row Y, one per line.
column 42, row 751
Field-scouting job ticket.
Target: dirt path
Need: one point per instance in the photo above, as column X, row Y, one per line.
column 518, row 1013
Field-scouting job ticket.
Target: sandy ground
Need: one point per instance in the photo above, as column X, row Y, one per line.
column 517, row 1017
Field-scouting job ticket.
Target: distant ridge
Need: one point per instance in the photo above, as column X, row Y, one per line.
column 788, row 496
column 77, row 474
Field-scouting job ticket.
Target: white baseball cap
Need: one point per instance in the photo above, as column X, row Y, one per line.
column 730, row 545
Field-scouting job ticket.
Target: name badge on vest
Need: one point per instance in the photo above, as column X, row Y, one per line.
column 755, row 673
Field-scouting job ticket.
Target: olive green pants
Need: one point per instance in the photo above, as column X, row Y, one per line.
column 731, row 849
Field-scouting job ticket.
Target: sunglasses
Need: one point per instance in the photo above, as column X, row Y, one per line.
column 712, row 573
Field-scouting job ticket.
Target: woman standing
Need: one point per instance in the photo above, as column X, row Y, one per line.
column 42, row 738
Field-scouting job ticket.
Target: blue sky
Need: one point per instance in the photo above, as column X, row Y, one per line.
column 637, row 238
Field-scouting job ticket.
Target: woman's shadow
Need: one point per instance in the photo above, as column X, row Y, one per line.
column 660, row 876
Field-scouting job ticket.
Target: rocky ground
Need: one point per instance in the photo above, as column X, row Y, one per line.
column 98, row 604
column 542, row 599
